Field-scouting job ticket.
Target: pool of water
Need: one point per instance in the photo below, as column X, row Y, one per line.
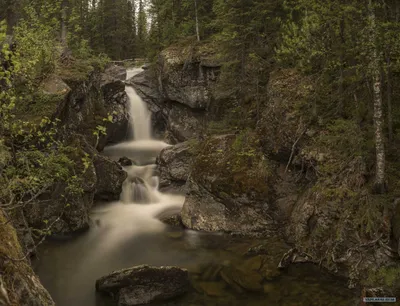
column 222, row 269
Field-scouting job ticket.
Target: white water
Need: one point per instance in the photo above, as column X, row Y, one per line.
column 141, row 203
column 139, row 116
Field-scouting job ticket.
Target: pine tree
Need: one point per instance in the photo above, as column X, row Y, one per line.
column 141, row 30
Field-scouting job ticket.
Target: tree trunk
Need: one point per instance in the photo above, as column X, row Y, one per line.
column 64, row 24
column 341, row 77
column 380, row 184
column 197, row 21
column 389, row 98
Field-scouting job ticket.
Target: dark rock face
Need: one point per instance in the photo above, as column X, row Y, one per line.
column 144, row 284
column 185, row 77
column 118, row 72
column 19, row 285
column 184, row 123
column 226, row 192
column 115, row 104
column 110, row 177
column 174, row 164
column 179, row 90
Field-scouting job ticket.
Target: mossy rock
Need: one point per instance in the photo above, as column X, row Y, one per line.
column 237, row 165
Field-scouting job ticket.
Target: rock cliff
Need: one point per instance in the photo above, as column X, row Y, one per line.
column 179, row 90
column 286, row 175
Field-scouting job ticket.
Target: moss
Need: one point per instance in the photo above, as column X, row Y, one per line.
column 388, row 277
column 78, row 70
column 237, row 164
column 41, row 105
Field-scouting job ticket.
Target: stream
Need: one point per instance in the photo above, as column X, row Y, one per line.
column 128, row 233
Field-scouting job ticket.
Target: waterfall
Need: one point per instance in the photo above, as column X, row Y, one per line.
column 139, row 116
column 141, row 186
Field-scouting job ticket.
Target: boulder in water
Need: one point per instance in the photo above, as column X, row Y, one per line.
column 174, row 166
column 144, row 284
column 125, row 161
column 110, row 177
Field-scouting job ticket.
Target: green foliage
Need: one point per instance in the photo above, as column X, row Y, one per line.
column 385, row 276
column 36, row 51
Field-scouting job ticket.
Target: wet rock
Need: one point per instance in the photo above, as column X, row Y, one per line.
column 110, row 177
column 125, row 161
column 174, row 164
column 174, row 220
column 116, row 71
column 144, row 284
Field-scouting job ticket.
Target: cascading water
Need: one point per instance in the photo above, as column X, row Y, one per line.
column 128, row 232
column 139, row 116
column 141, row 186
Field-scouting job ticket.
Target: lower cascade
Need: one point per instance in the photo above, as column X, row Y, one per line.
column 141, row 185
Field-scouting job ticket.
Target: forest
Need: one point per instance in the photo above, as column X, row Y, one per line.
column 334, row 65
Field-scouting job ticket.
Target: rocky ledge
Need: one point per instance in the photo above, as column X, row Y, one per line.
column 179, row 89
column 144, row 284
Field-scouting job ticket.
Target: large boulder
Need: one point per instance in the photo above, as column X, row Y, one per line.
column 19, row 285
column 230, row 188
column 110, row 177
column 174, row 165
column 144, row 284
